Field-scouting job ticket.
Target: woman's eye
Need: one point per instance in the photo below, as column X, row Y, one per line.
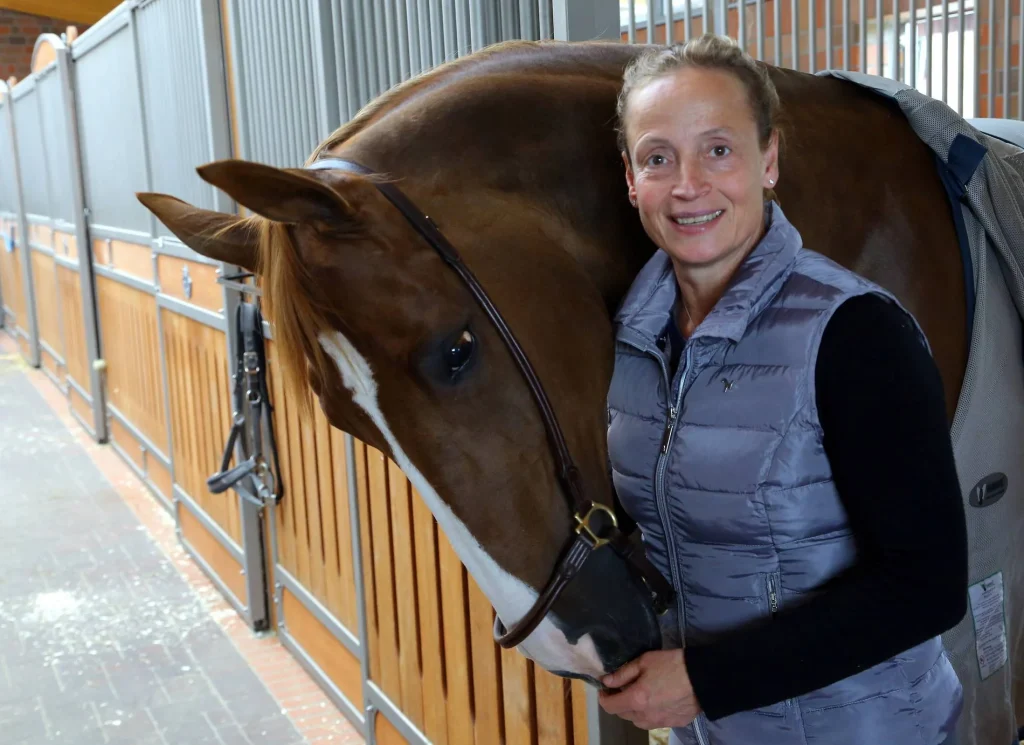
column 720, row 151
column 457, row 356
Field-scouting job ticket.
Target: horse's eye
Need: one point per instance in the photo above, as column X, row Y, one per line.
column 458, row 355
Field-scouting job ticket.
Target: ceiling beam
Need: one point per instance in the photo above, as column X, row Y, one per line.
column 80, row 11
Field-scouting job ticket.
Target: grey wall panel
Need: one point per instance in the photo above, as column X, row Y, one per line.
column 29, row 134
column 8, row 197
column 173, row 87
column 274, row 48
column 55, row 138
column 109, row 121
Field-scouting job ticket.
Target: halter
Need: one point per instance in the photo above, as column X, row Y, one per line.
column 595, row 523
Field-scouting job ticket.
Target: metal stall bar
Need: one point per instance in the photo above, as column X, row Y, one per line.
column 912, row 44
column 880, row 44
column 894, row 50
column 960, row 64
column 1007, row 29
column 812, row 33
column 668, row 23
column 85, row 261
column 945, row 50
column 760, row 29
column 828, row 33
column 218, row 145
column 1020, row 58
column 22, row 238
column 795, row 35
column 991, row 58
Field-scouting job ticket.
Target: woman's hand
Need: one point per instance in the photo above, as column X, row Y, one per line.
column 654, row 691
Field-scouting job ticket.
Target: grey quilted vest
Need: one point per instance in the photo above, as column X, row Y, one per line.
column 723, row 469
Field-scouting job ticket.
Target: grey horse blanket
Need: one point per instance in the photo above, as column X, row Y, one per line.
column 983, row 172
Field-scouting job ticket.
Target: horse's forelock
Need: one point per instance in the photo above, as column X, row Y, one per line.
column 289, row 304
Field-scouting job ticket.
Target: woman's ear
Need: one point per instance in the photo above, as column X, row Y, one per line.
column 630, row 182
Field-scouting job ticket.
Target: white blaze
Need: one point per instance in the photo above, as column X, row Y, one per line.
column 510, row 596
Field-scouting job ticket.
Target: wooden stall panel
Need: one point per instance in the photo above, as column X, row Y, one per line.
column 314, row 538
column 200, row 397
column 432, row 650
column 190, row 281
column 131, row 347
column 222, row 562
column 130, row 258
column 76, row 354
column 11, row 277
column 44, row 279
column 333, row 657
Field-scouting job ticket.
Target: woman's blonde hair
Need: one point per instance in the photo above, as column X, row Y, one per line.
column 708, row 52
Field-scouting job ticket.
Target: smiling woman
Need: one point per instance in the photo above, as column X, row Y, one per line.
column 760, row 400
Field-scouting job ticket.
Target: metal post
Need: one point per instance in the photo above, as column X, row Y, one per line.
column 357, row 571
column 215, row 100
column 583, row 20
column 85, row 269
column 606, row 729
column 721, row 22
column 22, row 236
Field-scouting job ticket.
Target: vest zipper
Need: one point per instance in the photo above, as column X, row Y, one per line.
column 659, row 491
column 773, row 594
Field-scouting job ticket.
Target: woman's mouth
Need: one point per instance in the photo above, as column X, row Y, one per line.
column 696, row 223
column 697, row 219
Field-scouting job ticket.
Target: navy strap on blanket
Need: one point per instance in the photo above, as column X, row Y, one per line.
column 965, row 155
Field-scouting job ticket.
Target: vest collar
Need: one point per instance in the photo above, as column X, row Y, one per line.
column 646, row 309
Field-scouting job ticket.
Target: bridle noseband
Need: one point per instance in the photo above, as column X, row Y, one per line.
column 596, row 524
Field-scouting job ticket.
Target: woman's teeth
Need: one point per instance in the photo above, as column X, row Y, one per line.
column 699, row 220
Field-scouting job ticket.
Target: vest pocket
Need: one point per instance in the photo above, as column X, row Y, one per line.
column 773, row 600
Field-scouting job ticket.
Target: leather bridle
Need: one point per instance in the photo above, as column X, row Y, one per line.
column 596, row 524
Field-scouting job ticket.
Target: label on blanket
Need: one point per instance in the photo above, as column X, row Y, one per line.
column 989, row 623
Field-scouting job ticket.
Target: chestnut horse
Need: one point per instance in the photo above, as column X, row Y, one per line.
column 511, row 151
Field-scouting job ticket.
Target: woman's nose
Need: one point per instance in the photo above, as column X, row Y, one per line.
column 690, row 181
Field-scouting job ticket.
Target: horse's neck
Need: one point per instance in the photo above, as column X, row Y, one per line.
column 483, row 149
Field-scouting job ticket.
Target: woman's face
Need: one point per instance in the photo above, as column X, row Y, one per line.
column 697, row 170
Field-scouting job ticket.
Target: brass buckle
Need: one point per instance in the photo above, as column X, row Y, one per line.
column 583, row 524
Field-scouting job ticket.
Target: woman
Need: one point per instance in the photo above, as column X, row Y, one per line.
column 778, row 431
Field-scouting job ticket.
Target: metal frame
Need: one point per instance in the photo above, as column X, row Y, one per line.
column 217, row 110
column 85, row 258
column 21, row 240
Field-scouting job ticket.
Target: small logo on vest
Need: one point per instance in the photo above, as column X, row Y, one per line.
column 727, row 385
column 989, row 490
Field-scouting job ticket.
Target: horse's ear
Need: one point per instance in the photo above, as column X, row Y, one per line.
column 286, row 195
column 216, row 235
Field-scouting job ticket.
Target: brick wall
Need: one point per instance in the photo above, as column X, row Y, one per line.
column 18, row 34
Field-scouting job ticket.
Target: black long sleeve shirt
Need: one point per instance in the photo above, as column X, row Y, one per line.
column 882, row 411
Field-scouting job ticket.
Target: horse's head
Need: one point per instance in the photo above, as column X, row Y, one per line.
column 400, row 354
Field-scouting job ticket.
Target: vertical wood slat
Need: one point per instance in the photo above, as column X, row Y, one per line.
column 580, row 730
column 456, row 644
column 311, row 499
column 486, row 666
column 432, row 649
column 283, row 513
column 517, row 689
column 300, row 537
column 387, row 639
column 554, row 708
column 347, row 609
column 329, row 497
column 369, row 569
column 403, row 553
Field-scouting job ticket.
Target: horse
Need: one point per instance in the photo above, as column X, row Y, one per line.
column 511, row 151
